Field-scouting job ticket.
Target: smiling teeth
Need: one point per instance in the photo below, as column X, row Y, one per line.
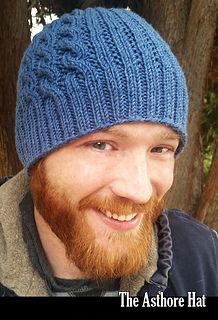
column 120, row 218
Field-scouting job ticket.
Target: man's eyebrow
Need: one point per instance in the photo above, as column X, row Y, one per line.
column 115, row 132
column 170, row 135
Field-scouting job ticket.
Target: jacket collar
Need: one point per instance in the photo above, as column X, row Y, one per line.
column 16, row 272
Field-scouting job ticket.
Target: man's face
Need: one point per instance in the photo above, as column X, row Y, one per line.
column 100, row 195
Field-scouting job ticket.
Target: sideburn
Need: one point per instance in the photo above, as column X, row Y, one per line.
column 44, row 197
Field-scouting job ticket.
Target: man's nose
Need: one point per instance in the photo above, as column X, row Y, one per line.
column 133, row 180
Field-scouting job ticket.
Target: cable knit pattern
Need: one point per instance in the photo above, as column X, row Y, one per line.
column 92, row 69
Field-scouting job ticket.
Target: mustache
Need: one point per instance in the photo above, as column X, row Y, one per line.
column 120, row 206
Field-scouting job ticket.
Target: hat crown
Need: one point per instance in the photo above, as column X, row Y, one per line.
column 93, row 69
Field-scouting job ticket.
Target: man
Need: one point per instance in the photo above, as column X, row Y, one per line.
column 101, row 116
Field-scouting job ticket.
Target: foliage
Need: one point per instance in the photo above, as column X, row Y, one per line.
column 210, row 126
column 42, row 11
column 210, row 113
column 59, row 7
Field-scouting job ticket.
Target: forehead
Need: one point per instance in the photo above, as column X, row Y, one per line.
column 139, row 129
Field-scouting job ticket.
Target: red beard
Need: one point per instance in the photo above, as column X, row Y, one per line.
column 125, row 253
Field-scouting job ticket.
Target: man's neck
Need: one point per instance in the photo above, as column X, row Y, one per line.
column 55, row 251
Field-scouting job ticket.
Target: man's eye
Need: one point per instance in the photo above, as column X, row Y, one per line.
column 161, row 150
column 100, row 145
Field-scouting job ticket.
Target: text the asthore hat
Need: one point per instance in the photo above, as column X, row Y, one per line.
column 92, row 69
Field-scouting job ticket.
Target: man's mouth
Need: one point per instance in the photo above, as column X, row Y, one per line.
column 119, row 217
column 119, row 222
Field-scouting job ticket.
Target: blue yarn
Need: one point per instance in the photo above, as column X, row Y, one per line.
column 92, row 69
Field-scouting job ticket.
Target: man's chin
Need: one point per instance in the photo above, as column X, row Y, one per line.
column 112, row 257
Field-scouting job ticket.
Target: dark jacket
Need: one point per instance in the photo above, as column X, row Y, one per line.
column 195, row 259
column 188, row 258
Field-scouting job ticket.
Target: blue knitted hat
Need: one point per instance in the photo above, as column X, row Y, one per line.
column 92, row 69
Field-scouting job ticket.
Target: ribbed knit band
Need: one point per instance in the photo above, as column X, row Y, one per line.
column 92, row 69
